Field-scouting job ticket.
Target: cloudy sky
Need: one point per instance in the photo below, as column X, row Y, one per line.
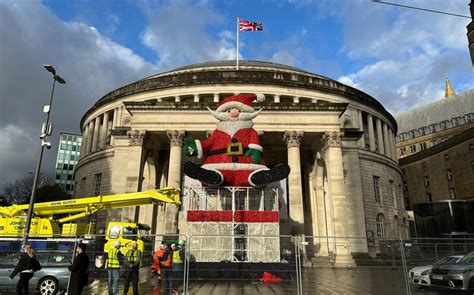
column 397, row 55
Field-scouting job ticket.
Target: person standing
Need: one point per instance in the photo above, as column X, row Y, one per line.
column 178, row 260
column 112, row 264
column 26, row 266
column 155, row 268
column 79, row 271
column 166, row 259
column 134, row 259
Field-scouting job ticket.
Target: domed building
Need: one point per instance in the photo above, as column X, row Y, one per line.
column 338, row 141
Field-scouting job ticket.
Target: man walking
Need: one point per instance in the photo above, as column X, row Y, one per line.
column 112, row 264
column 133, row 258
column 79, row 271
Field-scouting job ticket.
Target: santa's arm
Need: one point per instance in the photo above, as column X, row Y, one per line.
column 255, row 149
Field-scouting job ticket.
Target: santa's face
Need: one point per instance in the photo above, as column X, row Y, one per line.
column 233, row 114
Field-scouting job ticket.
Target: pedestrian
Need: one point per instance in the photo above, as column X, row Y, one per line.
column 79, row 271
column 26, row 266
column 112, row 264
column 133, row 261
column 166, row 259
column 178, row 262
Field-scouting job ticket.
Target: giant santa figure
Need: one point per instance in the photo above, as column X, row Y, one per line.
column 232, row 154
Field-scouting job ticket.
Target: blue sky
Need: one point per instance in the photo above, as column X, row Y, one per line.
column 399, row 56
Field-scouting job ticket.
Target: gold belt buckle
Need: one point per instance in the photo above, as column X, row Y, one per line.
column 235, row 149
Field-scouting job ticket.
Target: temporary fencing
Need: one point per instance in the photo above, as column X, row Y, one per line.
column 255, row 264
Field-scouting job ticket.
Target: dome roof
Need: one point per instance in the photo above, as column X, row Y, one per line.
column 250, row 72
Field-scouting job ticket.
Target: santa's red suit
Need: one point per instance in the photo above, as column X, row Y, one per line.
column 225, row 154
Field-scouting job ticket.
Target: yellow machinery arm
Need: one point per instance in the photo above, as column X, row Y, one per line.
column 86, row 206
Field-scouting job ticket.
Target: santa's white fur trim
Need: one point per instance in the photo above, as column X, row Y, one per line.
column 233, row 166
column 251, row 174
column 199, row 148
column 256, row 147
column 260, row 97
column 235, row 104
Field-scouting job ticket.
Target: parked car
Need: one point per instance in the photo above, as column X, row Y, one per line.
column 459, row 276
column 420, row 275
column 52, row 277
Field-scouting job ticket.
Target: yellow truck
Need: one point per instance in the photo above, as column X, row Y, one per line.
column 44, row 225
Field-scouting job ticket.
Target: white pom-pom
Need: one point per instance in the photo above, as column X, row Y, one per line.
column 260, row 97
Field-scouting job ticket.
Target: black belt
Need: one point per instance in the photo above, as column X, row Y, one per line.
column 223, row 151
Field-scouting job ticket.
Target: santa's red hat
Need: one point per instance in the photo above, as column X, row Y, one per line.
column 242, row 102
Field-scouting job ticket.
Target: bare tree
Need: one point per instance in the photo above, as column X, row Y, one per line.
column 19, row 191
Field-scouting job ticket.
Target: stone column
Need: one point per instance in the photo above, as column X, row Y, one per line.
column 370, row 123
column 386, row 143
column 296, row 99
column 361, row 128
column 95, row 136
column 393, row 145
column 378, row 124
column 177, row 98
column 332, row 154
column 196, row 97
column 114, row 123
column 216, row 97
column 118, row 122
column 127, row 173
column 84, row 141
column 90, row 132
column 276, row 98
column 295, row 191
column 103, row 132
column 174, row 177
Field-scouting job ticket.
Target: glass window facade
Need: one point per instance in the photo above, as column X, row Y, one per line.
column 444, row 219
column 66, row 161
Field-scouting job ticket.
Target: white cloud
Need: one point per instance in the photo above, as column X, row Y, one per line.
column 90, row 63
column 405, row 54
column 179, row 37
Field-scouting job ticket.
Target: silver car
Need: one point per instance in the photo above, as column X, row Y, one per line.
column 420, row 275
column 52, row 277
column 459, row 276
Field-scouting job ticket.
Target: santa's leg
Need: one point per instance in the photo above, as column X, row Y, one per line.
column 206, row 176
column 265, row 176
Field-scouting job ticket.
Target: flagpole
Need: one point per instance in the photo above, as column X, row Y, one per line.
column 237, row 53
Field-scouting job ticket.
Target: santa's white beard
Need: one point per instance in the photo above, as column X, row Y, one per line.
column 231, row 127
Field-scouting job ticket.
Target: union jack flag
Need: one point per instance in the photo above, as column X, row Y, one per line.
column 249, row 26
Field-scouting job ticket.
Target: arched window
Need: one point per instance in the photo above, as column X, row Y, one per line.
column 380, row 227
column 396, row 226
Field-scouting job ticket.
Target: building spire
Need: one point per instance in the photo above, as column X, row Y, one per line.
column 449, row 91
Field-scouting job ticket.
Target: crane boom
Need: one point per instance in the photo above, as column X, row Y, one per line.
column 82, row 207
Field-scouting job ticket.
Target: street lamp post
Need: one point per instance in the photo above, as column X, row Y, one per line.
column 45, row 132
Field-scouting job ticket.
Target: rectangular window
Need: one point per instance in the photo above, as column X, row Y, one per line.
column 423, row 146
column 83, row 186
column 449, row 174
column 393, row 191
column 452, row 193
column 69, row 177
column 97, row 184
column 405, row 186
column 58, row 176
column 377, row 189
column 413, row 148
column 429, row 199
column 426, row 180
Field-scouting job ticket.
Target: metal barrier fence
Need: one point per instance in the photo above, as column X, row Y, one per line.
column 263, row 264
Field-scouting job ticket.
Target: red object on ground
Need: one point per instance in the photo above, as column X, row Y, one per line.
column 269, row 278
